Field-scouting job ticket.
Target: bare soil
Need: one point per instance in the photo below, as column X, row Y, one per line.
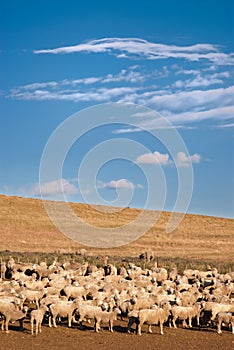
column 74, row 338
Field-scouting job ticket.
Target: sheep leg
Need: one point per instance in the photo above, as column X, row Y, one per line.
column 74, row 319
column 174, row 322
column 219, row 328
column 184, row 324
column 69, row 320
column 150, row 329
column 111, row 326
column 39, row 326
column 54, row 321
column 139, row 328
column 32, row 326
column 6, row 325
column 36, row 328
column 50, row 325
column 190, row 322
column 161, row 328
column 97, row 328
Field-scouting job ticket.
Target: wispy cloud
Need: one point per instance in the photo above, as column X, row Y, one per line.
column 143, row 49
column 228, row 125
column 128, row 76
column 180, row 107
column 76, row 95
column 201, row 80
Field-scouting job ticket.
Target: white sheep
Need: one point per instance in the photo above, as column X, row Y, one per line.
column 153, row 317
column 11, row 315
column 221, row 308
column 227, row 318
column 184, row 313
column 87, row 312
column 75, row 292
column 33, row 296
column 216, row 307
column 62, row 309
column 106, row 317
column 37, row 316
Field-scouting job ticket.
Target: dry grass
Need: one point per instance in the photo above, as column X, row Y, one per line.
column 25, row 227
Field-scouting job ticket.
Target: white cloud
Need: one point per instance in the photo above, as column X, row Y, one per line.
column 139, row 48
column 202, row 81
column 222, row 113
column 182, row 160
column 228, row 125
column 98, row 94
column 153, row 158
column 129, row 76
column 188, row 72
column 53, row 188
column 179, row 84
column 221, row 75
column 189, row 100
column 118, row 184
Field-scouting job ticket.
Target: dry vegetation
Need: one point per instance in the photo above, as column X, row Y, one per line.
column 25, row 227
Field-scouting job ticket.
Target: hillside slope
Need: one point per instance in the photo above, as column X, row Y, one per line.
column 25, row 226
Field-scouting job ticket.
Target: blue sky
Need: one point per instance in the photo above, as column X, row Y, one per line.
column 174, row 57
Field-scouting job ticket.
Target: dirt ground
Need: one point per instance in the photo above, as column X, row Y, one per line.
column 74, row 338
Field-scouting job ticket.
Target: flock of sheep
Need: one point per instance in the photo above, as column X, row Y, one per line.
column 83, row 292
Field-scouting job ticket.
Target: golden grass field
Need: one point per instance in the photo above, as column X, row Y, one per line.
column 25, row 227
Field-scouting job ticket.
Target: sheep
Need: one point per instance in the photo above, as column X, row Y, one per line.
column 87, row 312
column 33, row 295
column 184, row 313
column 62, row 309
column 107, row 317
column 75, row 292
column 11, row 315
column 11, row 301
column 3, row 269
column 215, row 308
column 10, row 263
column 142, row 303
column 159, row 273
column 227, row 318
column 36, row 285
column 37, row 316
column 153, row 317
column 6, row 306
column 173, row 274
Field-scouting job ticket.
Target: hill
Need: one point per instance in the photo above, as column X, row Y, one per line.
column 25, row 227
